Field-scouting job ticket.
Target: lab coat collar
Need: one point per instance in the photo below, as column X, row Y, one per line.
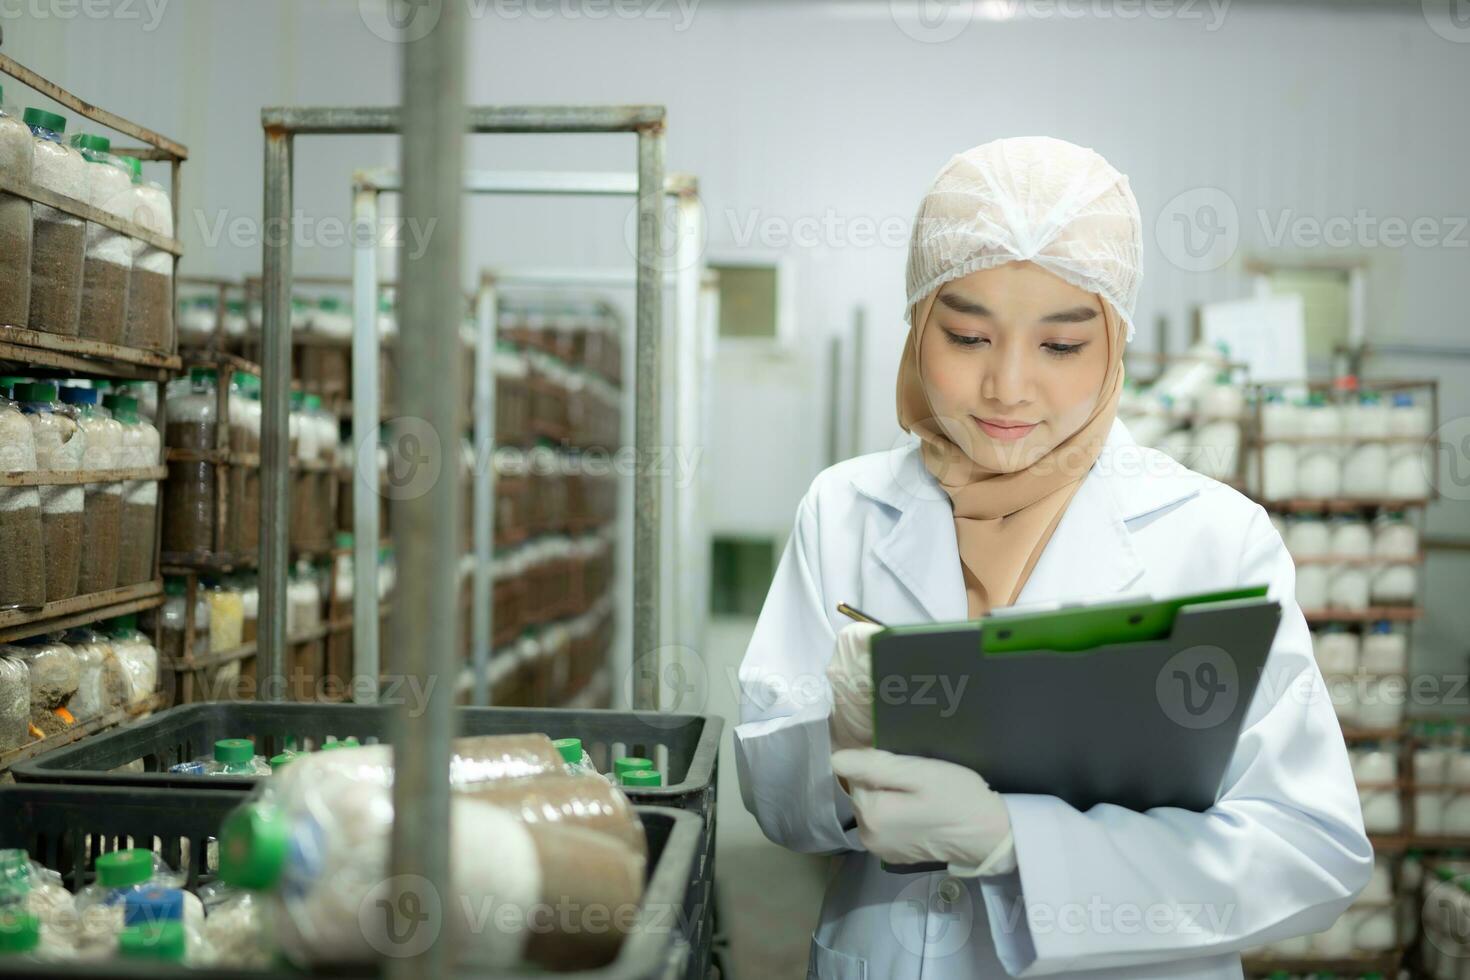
column 1090, row 554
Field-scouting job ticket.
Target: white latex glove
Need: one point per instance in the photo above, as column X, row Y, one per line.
column 850, row 672
column 912, row 810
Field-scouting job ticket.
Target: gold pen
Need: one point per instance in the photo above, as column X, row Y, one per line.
column 857, row 614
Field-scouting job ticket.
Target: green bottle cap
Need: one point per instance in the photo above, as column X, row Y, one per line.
column 344, row 539
column 38, row 391
column 20, row 932
column 642, row 777
column 570, row 749
column 341, row 743
column 279, row 761
column 123, row 869
column 229, row 750
column 242, row 378
column 628, row 764
column 199, row 375
column 41, row 119
column 135, row 165
column 154, row 941
column 329, row 303
column 313, row 403
column 252, row 847
column 92, row 142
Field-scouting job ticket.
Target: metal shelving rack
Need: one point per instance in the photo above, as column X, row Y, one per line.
column 36, row 353
column 433, row 121
column 679, row 344
column 1387, row 963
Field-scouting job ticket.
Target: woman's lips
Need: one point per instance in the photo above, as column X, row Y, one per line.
column 1006, row 432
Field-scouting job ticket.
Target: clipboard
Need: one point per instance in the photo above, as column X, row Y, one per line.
column 1137, row 704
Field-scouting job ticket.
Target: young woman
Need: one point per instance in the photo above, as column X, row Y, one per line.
column 1024, row 488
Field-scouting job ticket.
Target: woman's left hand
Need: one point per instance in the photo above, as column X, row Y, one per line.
column 912, row 810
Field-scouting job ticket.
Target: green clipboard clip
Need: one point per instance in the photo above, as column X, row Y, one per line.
column 1087, row 628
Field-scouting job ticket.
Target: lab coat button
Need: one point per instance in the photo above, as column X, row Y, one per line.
column 950, row 891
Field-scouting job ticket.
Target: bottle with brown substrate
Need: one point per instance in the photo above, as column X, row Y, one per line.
column 102, row 513
column 58, row 240
column 108, row 264
column 23, row 570
column 141, row 448
column 150, row 321
column 16, row 159
column 189, row 516
column 59, row 447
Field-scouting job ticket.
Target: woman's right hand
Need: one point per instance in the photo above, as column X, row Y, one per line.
column 850, row 673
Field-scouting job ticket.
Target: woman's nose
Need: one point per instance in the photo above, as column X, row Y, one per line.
column 1008, row 381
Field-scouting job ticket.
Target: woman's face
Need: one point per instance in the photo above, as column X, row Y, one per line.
column 1013, row 361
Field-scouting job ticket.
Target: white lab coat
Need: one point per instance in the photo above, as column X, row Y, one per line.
column 1110, row 893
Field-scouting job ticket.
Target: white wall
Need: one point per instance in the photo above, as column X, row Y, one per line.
column 831, row 111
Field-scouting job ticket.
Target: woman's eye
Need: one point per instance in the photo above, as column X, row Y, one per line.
column 1062, row 350
column 964, row 340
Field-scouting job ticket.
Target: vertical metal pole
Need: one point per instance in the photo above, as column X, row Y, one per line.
column 426, row 608
column 366, row 410
column 834, row 399
column 275, row 366
column 687, row 439
column 482, row 610
column 647, row 504
column 859, row 330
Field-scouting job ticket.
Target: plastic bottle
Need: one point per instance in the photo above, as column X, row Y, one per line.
column 1408, row 472
column 141, row 447
column 1280, row 466
column 1311, row 587
column 23, row 572
column 151, row 289
column 16, row 160
column 108, row 264
column 1309, row 537
column 198, row 319
column 1395, row 584
column 58, row 240
column 643, row 778
column 1365, row 471
column 245, row 416
column 190, row 518
column 1336, row 649
column 236, row 757
column 1385, row 651
column 100, row 905
column 1348, row 587
column 1350, row 537
column 102, row 513
column 577, row 759
column 136, row 655
column 320, row 849
column 627, row 764
column 59, row 446
column 1395, row 537
column 1408, row 418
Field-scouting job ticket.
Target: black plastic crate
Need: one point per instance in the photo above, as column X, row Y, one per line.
column 66, row 827
column 190, row 731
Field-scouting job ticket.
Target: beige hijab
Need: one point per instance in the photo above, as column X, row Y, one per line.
column 1063, row 207
column 1003, row 521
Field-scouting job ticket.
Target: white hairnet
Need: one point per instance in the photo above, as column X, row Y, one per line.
column 1030, row 198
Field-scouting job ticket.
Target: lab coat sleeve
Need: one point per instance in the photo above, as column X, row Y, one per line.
column 782, row 748
column 1282, row 853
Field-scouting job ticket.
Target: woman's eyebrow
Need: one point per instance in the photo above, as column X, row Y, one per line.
column 961, row 305
column 1078, row 314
